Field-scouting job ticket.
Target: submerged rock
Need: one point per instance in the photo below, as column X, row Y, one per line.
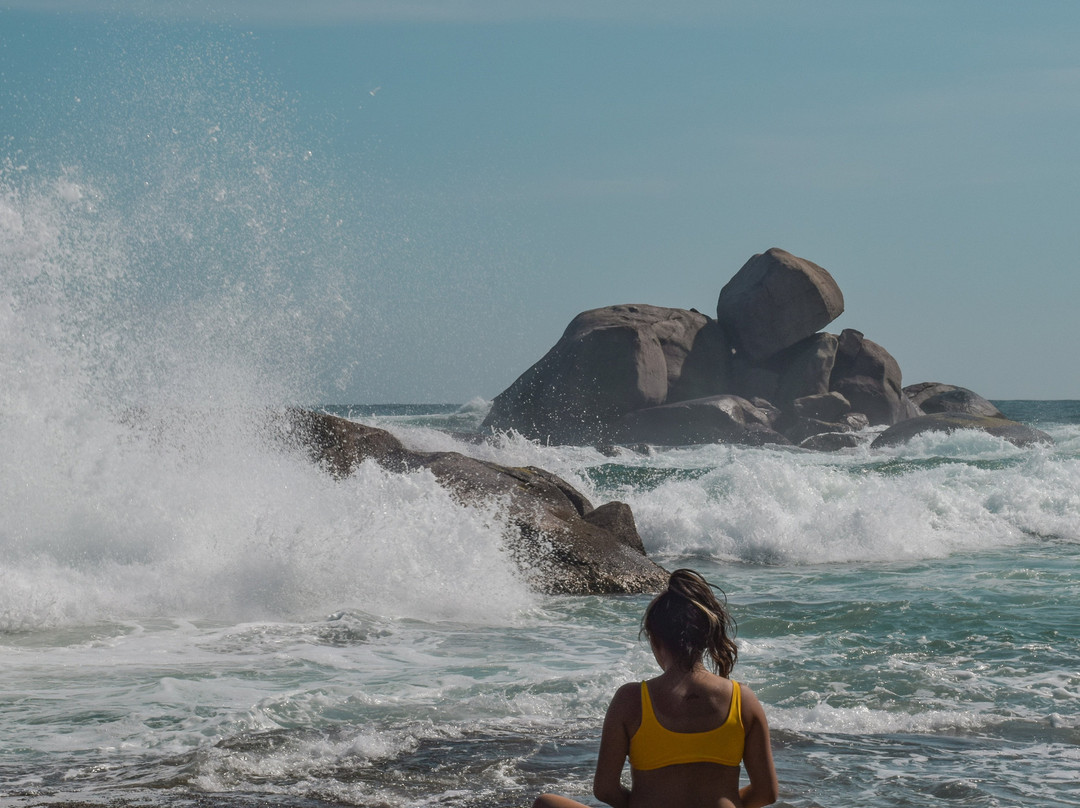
column 715, row 419
column 561, row 543
column 1012, row 431
column 830, row 441
column 933, row 397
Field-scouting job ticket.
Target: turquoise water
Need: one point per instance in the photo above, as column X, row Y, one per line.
column 908, row 619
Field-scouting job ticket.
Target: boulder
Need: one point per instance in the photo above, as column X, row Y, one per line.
column 750, row 379
column 855, row 421
column 830, row 441
column 823, row 406
column 609, row 362
column 1012, row 431
column 706, row 369
column 774, row 301
column 804, row 369
column 561, row 543
column 818, row 414
column 868, row 377
column 932, row 397
column 767, row 408
column 715, row 419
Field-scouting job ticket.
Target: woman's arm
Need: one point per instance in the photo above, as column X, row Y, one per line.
column 615, row 746
column 757, row 756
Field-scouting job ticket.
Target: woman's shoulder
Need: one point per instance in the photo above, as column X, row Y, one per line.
column 629, row 693
column 746, row 693
column 627, row 701
column 751, row 707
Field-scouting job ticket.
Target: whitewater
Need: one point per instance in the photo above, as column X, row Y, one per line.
column 193, row 613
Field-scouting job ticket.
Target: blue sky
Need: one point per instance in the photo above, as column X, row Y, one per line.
column 497, row 167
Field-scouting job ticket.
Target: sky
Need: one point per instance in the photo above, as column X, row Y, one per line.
column 462, row 178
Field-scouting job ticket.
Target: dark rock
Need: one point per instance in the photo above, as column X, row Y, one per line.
column 1012, row 431
column 805, row 369
column 752, row 380
column 559, row 540
column 609, row 362
column 342, row 445
column 822, row 406
column 776, row 300
column 772, row 413
column 716, row 419
column 932, row 397
column 618, row 519
column 706, row 368
column 868, row 377
column 830, row 441
column 856, row 421
column 798, row 430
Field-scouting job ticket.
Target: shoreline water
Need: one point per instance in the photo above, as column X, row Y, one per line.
column 903, row 615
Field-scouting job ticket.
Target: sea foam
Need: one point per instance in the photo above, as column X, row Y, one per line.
column 141, row 478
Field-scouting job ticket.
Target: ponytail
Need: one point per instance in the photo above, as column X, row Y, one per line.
column 690, row 622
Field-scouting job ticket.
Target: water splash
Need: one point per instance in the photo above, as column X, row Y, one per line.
column 150, row 318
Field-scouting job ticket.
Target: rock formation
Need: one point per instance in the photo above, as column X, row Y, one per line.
column 610, row 362
column 716, row 419
column 1013, row 432
column 762, row 372
column 933, row 397
column 561, row 543
column 868, row 377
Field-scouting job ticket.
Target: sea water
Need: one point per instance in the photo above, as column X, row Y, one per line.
column 208, row 618
column 193, row 613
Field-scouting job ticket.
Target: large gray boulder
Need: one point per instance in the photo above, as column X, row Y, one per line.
column 609, row 362
column 706, row 370
column 804, row 369
column 561, row 543
column 829, row 407
column 775, row 301
column 715, row 419
column 932, row 397
column 869, row 378
column 1012, row 431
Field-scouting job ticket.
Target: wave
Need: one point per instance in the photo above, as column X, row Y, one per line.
column 938, row 495
column 140, row 478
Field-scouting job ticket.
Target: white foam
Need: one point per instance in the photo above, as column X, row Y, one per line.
column 762, row 505
column 140, row 479
column 861, row 721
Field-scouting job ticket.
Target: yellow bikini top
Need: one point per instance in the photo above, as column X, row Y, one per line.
column 654, row 747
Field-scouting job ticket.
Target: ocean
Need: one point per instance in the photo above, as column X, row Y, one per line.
column 193, row 614
column 195, row 617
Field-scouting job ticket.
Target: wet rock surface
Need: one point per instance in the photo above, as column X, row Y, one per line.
column 561, row 543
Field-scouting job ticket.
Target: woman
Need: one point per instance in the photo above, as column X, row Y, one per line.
column 687, row 730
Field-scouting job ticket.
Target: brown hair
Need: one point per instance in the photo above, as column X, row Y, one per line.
column 689, row 621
